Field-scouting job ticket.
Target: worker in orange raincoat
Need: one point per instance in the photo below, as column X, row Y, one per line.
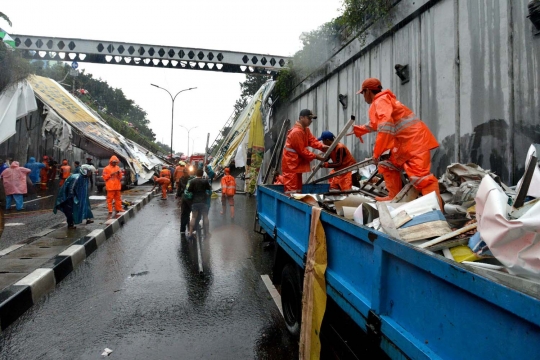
column 44, row 173
column 112, row 175
column 164, row 182
column 65, row 171
column 166, row 173
column 179, row 172
column 341, row 158
column 405, row 135
column 296, row 157
column 228, row 189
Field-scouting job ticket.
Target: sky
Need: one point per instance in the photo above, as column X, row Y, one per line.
column 266, row 27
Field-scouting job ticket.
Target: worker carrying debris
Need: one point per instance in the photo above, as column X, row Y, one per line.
column 405, row 135
column 296, row 157
column 341, row 158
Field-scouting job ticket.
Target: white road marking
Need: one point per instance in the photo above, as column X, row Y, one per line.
column 13, row 224
column 41, row 198
column 273, row 292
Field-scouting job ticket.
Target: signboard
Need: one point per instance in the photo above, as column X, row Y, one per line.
column 74, row 65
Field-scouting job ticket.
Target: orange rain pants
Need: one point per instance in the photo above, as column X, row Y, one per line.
column 44, row 177
column 292, row 181
column 341, row 182
column 418, row 169
column 114, row 195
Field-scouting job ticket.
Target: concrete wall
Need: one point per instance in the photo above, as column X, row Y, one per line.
column 474, row 80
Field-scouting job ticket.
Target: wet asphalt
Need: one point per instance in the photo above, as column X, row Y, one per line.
column 142, row 296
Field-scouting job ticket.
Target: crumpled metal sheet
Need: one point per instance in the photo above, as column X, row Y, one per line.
column 515, row 243
column 58, row 127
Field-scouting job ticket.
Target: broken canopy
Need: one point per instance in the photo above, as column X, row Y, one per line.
column 88, row 124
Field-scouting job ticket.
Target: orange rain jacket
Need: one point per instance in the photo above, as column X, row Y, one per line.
column 345, row 158
column 165, row 173
column 65, row 170
column 178, row 172
column 112, row 181
column 296, row 157
column 228, row 185
column 399, row 129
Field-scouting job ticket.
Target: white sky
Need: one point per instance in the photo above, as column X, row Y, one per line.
column 269, row 27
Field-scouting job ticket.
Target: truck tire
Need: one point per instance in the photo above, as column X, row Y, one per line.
column 291, row 298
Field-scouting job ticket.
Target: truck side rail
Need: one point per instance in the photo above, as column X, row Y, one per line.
column 421, row 305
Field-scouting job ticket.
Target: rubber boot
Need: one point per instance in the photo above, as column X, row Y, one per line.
column 392, row 179
column 433, row 186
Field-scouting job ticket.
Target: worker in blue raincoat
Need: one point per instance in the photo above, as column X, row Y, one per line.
column 35, row 168
column 72, row 198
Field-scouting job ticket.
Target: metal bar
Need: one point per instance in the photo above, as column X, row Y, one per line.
column 526, row 183
column 332, row 147
column 206, row 151
column 358, row 165
column 113, row 52
column 277, row 147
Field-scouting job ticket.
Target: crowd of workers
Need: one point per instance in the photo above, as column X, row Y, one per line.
column 401, row 136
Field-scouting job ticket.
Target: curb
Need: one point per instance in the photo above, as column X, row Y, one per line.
column 21, row 296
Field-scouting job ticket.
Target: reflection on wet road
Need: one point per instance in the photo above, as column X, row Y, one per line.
column 142, row 296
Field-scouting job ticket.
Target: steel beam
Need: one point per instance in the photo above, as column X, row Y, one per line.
column 118, row 53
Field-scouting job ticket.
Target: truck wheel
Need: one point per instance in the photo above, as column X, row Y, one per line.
column 291, row 298
column 99, row 188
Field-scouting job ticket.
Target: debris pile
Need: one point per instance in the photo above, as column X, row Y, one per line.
column 484, row 223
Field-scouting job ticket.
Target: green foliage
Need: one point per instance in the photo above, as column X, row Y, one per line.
column 13, row 68
column 284, row 83
column 358, row 15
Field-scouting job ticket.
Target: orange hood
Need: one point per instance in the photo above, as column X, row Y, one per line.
column 113, row 158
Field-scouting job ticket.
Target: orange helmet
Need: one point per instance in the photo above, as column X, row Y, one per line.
column 227, row 171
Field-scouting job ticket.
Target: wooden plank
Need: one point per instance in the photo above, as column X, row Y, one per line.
column 447, row 244
column 278, row 147
column 387, row 223
column 331, row 148
column 448, row 236
column 424, row 231
column 408, row 193
column 402, row 218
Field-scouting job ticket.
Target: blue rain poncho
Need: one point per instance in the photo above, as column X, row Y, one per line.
column 76, row 187
column 35, row 167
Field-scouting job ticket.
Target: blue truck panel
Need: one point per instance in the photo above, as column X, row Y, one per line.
column 426, row 306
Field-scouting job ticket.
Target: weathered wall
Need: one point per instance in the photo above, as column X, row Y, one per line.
column 474, row 80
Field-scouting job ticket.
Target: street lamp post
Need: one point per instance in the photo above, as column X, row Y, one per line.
column 172, row 112
column 188, row 131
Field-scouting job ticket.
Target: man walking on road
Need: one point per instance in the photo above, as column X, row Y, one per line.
column 35, row 168
column 185, row 207
column 405, row 135
column 296, row 157
column 44, row 173
column 113, row 176
column 90, row 177
column 228, row 189
column 200, row 188
column 341, row 158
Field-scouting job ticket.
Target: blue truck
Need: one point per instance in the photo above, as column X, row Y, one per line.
column 405, row 301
